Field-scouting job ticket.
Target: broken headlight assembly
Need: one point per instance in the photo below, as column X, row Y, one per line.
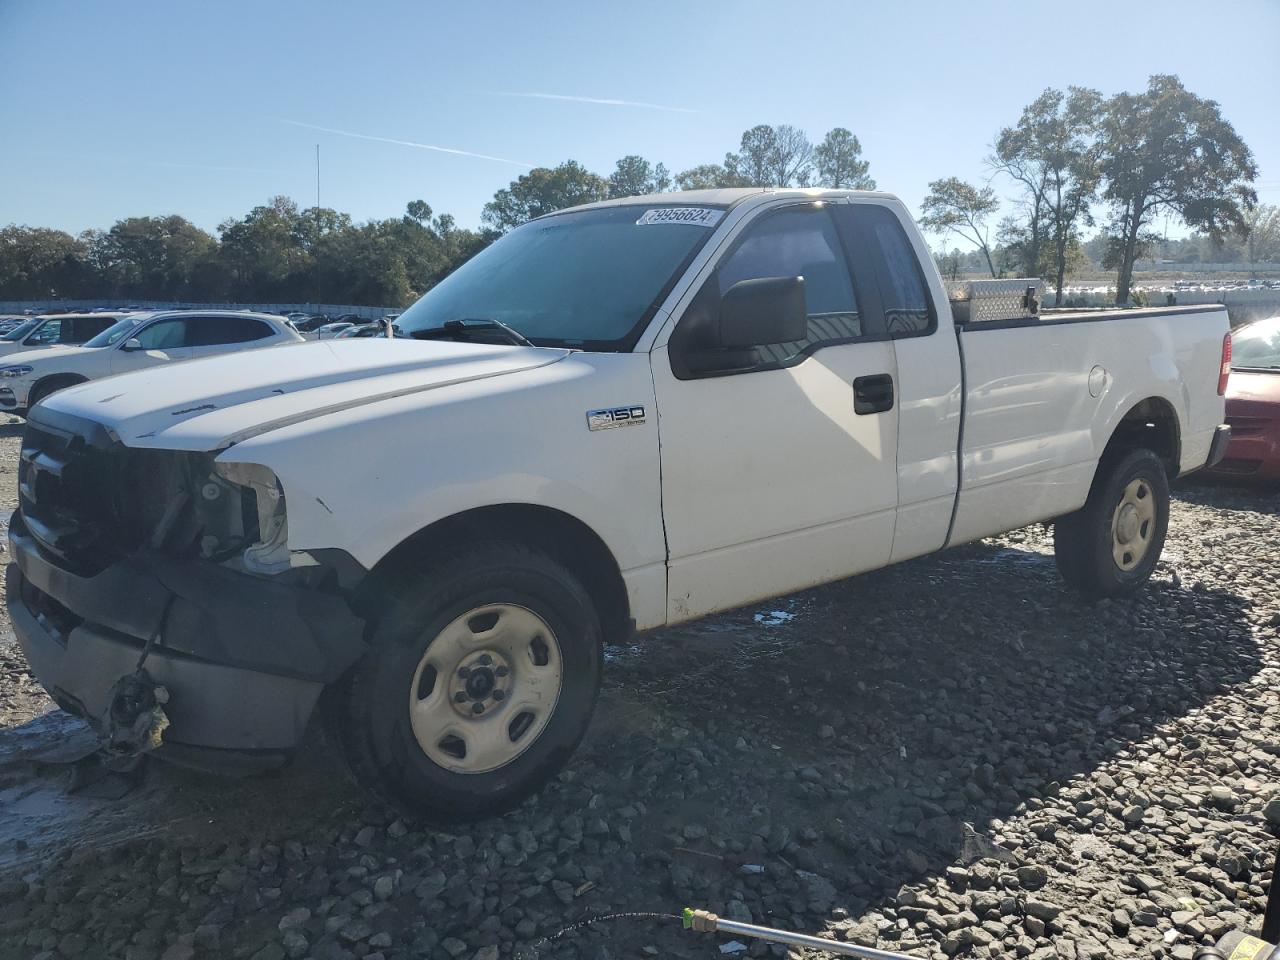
column 245, row 522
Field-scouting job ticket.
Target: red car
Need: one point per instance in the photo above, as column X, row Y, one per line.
column 1253, row 403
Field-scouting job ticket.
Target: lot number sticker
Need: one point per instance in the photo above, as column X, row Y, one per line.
column 694, row 216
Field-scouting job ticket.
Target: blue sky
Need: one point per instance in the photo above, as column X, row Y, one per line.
column 113, row 108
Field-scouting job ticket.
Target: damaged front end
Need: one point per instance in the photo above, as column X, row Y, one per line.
column 155, row 594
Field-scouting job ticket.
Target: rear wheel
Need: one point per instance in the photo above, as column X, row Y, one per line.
column 1110, row 546
column 479, row 683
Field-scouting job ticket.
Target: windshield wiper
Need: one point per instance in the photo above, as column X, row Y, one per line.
column 461, row 329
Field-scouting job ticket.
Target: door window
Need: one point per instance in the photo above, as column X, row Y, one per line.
column 215, row 331
column 164, row 335
column 50, row 332
column 799, row 242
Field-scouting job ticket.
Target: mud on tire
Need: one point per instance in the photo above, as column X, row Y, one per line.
column 481, row 677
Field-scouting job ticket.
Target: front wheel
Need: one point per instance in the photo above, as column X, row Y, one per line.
column 1110, row 546
column 480, row 681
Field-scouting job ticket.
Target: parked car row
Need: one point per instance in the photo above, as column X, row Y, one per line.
column 122, row 343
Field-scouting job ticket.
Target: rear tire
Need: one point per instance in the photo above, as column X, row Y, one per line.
column 1110, row 546
column 480, row 680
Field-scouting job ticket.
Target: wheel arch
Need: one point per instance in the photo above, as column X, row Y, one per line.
column 559, row 534
column 65, row 379
column 1152, row 424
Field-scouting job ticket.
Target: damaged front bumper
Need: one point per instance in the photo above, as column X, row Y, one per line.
column 242, row 658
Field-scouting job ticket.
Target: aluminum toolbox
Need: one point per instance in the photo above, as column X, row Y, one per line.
column 981, row 301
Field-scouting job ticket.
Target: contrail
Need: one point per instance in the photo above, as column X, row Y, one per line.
column 406, row 143
column 600, row 100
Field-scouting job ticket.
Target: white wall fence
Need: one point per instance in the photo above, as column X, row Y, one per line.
column 1242, row 305
column 66, row 306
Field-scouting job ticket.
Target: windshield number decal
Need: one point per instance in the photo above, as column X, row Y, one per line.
column 630, row 416
column 693, row 216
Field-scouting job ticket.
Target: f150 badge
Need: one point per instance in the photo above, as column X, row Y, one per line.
column 629, row 416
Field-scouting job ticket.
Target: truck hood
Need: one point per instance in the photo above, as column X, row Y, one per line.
column 211, row 404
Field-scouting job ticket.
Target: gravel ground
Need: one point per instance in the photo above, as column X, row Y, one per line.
column 954, row 757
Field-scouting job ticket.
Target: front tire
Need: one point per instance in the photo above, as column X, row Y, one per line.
column 51, row 385
column 1110, row 546
column 480, row 681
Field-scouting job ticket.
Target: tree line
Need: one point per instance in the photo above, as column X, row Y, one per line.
column 1075, row 155
column 282, row 253
column 1075, row 159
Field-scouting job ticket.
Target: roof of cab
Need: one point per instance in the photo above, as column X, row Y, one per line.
column 726, row 197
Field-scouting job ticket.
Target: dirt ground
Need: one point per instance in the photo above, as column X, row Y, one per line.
column 953, row 757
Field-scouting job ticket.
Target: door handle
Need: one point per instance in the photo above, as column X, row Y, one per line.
column 873, row 394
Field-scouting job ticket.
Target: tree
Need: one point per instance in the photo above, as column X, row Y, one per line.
column 634, row 176
column 948, row 263
column 709, row 176
column 754, row 162
column 1051, row 154
column 1263, row 241
column 839, row 162
column 1168, row 150
column 37, row 263
column 954, row 206
column 154, row 257
column 543, row 190
column 267, row 254
column 791, row 160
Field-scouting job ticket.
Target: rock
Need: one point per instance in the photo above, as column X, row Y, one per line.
column 380, row 940
column 231, row 879
column 355, row 931
column 1146, row 883
column 1271, row 812
column 486, row 953
column 384, row 887
column 1042, row 909
column 1032, row 877
column 364, row 837
column 1120, row 922
column 272, row 951
column 453, row 946
column 295, row 943
column 294, row 918
column 1224, row 798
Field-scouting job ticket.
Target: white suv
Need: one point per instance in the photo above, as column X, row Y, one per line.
column 134, row 342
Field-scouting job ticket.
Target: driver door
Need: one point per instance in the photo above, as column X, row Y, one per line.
column 781, row 475
column 163, row 341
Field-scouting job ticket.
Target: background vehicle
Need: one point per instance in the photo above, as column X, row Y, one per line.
column 1253, row 403
column 616, row 417
column 134, row 342
column 310, row 324
column 361, row 331
column 58, row 329
column 330, row 330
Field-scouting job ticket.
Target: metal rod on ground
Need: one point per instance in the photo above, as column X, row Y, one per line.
column 702, row 921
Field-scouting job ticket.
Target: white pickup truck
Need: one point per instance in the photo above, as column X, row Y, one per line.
column 615, row 418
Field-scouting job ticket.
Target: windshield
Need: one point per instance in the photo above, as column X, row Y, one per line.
column 1256, row 346
column 589, row 280
column 21, row 330
column 113, row 333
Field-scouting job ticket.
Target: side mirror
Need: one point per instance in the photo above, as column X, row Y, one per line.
column 756, row 313
column 133, row 343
